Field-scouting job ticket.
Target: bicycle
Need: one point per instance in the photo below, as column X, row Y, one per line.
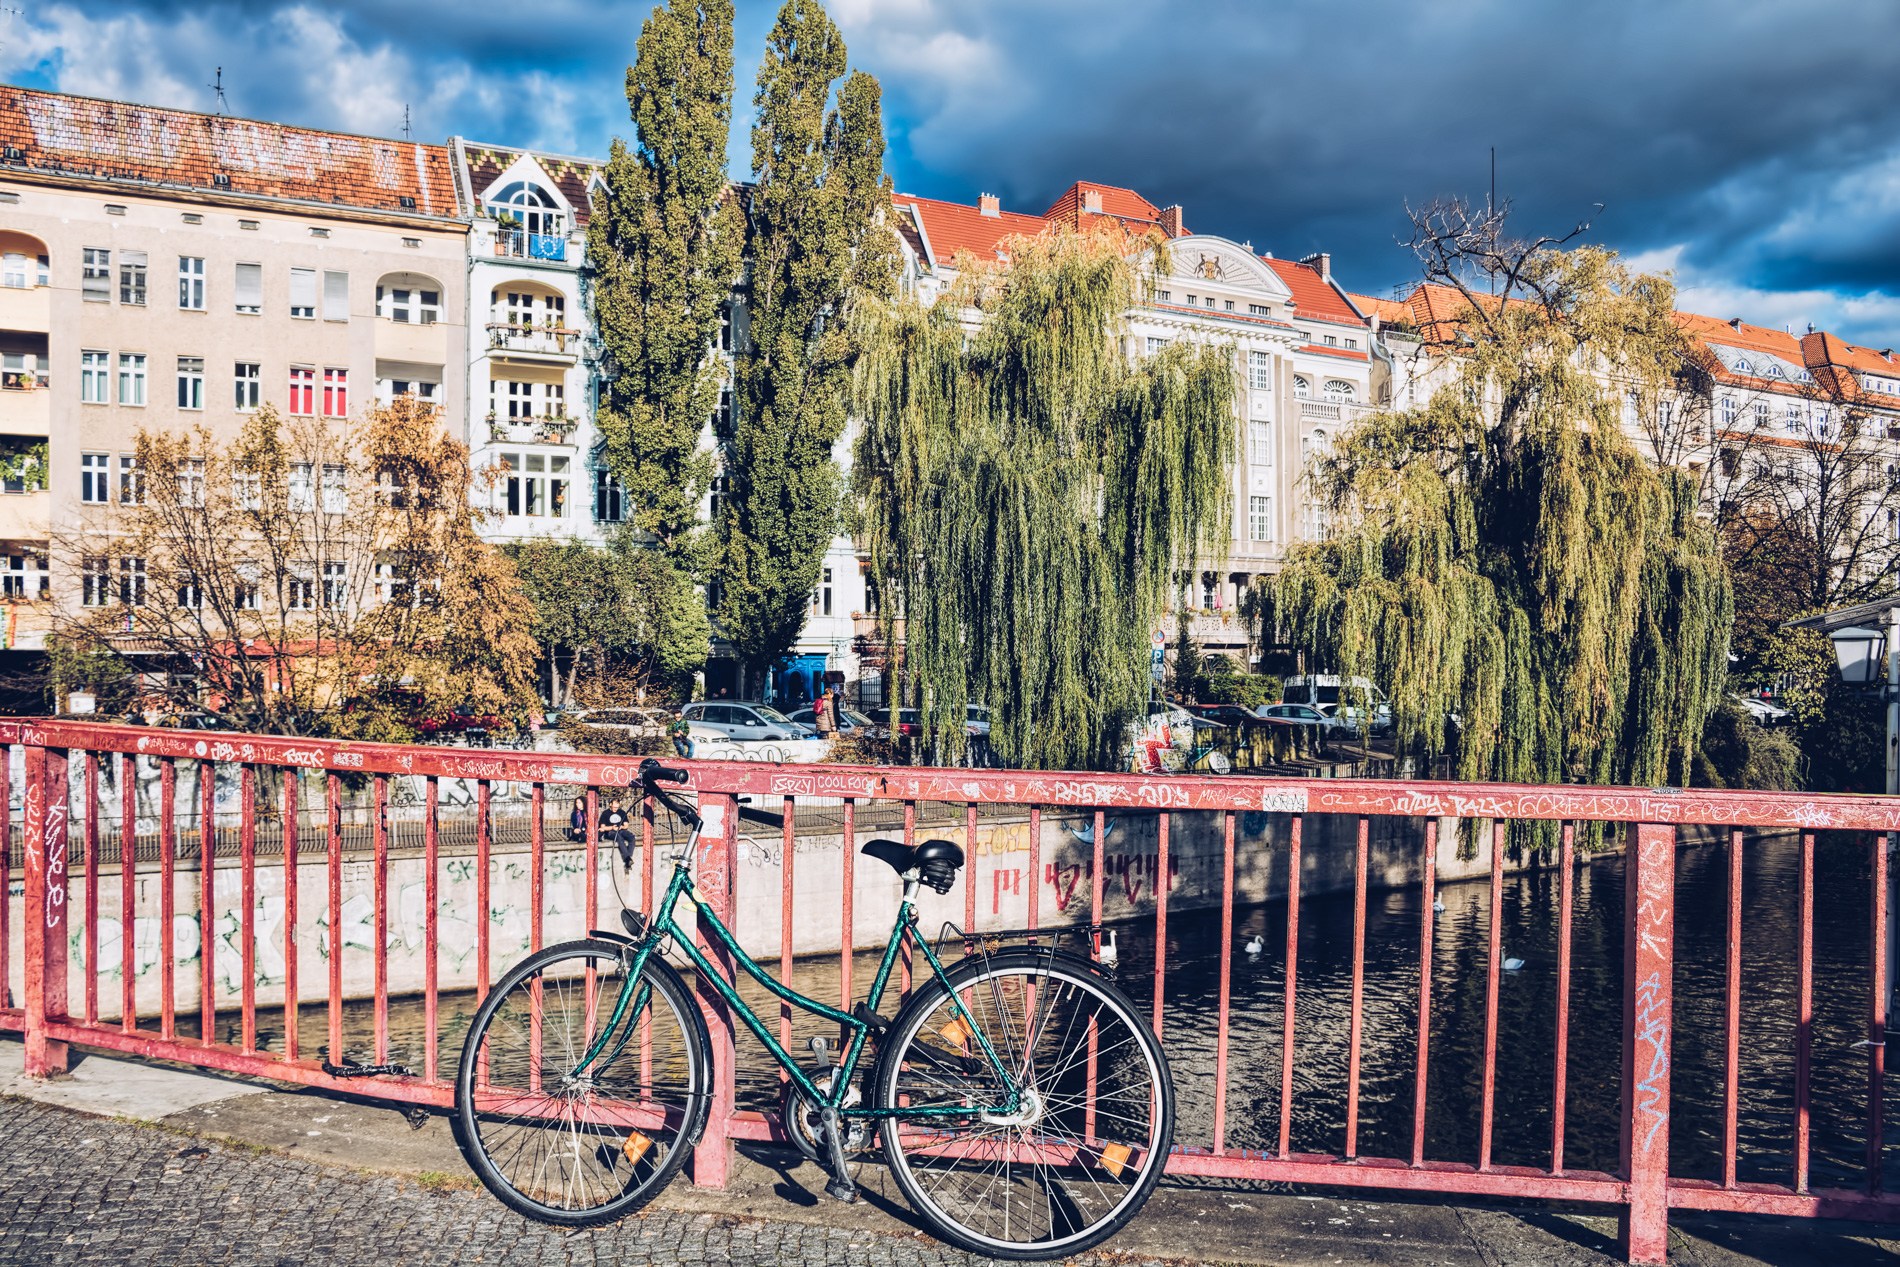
column 1023, row 1106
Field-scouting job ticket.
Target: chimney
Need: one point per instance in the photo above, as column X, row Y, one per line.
column 989, row 206
column 1324, row 262
column 1171, row 221
column 1092, row 200
column 1375, row 325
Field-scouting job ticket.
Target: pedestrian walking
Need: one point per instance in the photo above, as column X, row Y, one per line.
column 824, row 716
column 615, row 830
column 680, row 731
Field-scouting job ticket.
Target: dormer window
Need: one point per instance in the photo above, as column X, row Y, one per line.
column 530, row 206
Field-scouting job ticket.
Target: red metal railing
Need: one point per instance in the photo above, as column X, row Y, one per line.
column 1643, row 1190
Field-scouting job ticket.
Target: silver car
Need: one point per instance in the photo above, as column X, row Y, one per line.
column 743, row 720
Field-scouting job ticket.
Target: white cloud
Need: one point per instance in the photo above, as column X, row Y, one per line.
column 1866, row 318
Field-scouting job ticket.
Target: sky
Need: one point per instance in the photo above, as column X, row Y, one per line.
column 1750, row 146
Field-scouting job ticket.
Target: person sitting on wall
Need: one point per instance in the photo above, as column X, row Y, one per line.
column 680, row 731
column 577, row 821
column 614, row 830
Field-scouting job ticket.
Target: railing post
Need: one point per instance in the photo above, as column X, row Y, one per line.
column 1649, row 901
column 44, row 915
column 712, row 1160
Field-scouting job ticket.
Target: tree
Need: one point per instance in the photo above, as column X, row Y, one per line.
column 624, row 616
column 663, row 250
column 1188, row 666
column 1504, row 555
column 820, row 244
column 318, row 576
column 1029, row 488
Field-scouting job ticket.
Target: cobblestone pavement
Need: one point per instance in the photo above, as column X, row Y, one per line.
column 80, row 1189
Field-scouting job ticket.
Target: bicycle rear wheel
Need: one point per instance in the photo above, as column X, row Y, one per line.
column 1089, row 1138
column 581, row 1148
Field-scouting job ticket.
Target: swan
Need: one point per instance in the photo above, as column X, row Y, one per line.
column 1257, row 945
column 1438, row 904
column 1110, row 956
column 1512, row 965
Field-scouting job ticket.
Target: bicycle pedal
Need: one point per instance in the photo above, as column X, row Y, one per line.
column 842, row 1190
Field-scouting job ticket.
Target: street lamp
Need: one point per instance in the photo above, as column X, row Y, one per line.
column 1858, row 650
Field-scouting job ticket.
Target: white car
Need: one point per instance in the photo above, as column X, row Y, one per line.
column 1761, row 711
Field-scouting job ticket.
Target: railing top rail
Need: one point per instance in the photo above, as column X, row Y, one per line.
column 1132, row 792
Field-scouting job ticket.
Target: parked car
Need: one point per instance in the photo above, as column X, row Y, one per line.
column 1302, row 715
column 743, row 719
column 905, row 723
column 850, row 720
column 1321, row 690
column 1224, row 714
column 977, row 720
column 1760, row 711
column 1373, row 721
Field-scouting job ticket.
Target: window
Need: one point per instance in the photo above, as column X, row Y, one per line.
column 250, row 288
column 1332, row 341
column 132, row 278
column 23, row 577
column 335, row 496
column 190, row 593
column 821, row 597
column 420, row 388
column 1260, row 518
column 94, row 472
column 393, row 581
column 540, row 488
column 1260, row 371
column 191, row 482
column 1632, row 408
column 131, row 481
column 1665, row 411
column 529, row 206
column 95, row 581
column 1728, row 411
column 336, row 296
column 336, row 591
column 1155, row 345
column 559, row 484
column 1300, row 387
column 95, row 376
column 722, row 416
column 303, row 293
column 301, row 487
column 300, row 587
column 1259, row 444
column 1210, row 301
column 405, row 306
column 191, row 382
column 1230, row 305
column 1338, row 389
column 17, row 271
column 1164, row 297
column 248, row 487
column 244, row 587
column 95, row 285
column 249, row 378
column 1190, row 301
column 191, row 282
column 1794, row 419
column 1352, row 344
column 131, row 378
column 607, row 503
column 336, row 392
column 303, row 390
column 132, row 582
column 1259, row 310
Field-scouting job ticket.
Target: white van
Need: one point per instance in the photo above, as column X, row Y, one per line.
column 1322, row 691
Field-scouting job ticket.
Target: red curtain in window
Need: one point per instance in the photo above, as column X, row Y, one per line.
column 336, row 393
column 303, row 391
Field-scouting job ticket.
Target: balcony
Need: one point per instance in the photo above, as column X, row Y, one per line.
column 1332, row 410
column 25, row 411
column 417, row 344
column 556, row 429
column 522, row 245
column 545, row 345
column 26, row 308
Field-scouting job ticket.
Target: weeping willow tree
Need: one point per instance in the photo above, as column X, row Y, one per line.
column 1505, row 557
column 1028, row 486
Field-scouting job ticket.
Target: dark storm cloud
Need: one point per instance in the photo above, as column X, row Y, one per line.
column 1752, row 144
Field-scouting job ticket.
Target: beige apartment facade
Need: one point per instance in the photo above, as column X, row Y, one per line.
column 165, row 271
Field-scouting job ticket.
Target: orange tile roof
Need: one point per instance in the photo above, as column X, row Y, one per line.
column 1125, row 204
column 87, row 139
column 1741, row 335
column 1387, row 310
column 1833, row 362
column 1313, row 296
column 952, row 227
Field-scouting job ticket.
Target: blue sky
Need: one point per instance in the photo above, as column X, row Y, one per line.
column 1752, row 146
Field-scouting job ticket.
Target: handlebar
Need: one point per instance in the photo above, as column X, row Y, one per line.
column 652, row 771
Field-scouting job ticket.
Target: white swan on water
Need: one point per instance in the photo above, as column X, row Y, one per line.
column 1512, row 965
column 1110, row 956
column 1257, row 945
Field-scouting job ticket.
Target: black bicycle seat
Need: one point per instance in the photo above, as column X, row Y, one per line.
column 902, row 857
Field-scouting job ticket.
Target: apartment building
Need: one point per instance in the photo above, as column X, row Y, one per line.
column 167, row 270
column 529, row 372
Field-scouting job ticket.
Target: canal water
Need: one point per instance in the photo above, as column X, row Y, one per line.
column 1526, row 1025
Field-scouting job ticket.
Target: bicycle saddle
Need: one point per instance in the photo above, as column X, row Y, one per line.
column 936, row 860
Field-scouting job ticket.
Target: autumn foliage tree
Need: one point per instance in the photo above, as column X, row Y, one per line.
column 316, row 576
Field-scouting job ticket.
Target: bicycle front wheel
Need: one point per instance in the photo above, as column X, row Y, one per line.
column 581, row 1145
column 1083, row 1147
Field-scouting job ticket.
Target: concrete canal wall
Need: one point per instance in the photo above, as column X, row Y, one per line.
column 1003, row 875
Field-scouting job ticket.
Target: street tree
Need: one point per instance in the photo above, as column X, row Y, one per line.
column 820, row 243
column 663, row 251
column 1504, row 556
column 317, row 577
column 1029, row 487
column 616, row 625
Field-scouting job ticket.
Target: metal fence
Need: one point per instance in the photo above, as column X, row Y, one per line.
column 94, row 845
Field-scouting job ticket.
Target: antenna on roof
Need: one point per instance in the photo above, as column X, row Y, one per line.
column 405, row 121
column 1491, row 208
column 218, row 87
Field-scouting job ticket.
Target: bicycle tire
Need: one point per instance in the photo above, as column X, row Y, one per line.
column 573, row 1156
column 1091, row 1140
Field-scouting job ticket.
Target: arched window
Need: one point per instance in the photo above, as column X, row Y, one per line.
column 530, row 204
column 1300, row 387
column 1338, row 389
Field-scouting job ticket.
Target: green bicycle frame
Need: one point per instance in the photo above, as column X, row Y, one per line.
column 633, row 993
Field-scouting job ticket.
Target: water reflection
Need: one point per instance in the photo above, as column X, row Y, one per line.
column 1526, row 1025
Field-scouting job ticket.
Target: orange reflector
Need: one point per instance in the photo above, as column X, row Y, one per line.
column 1115, row 1158
column 956, row 1033
column 636, row 1147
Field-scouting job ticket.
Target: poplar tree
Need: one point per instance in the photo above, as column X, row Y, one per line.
column 1029, row 488
column 1504, row 556
column 820, row 241
column 664, row 250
